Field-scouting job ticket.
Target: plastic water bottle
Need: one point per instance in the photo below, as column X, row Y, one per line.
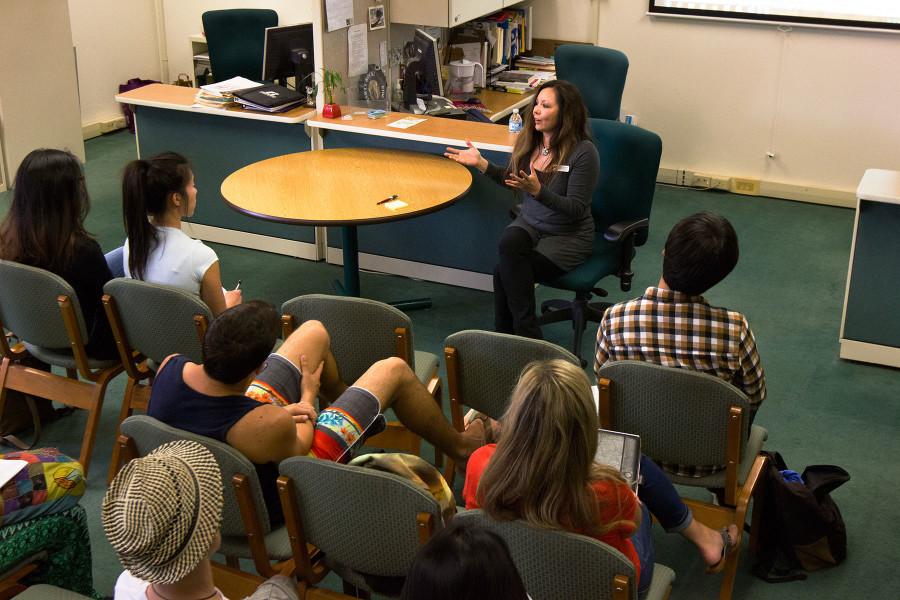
column 515, row 121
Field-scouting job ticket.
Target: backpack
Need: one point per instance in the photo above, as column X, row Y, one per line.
column 801, row 527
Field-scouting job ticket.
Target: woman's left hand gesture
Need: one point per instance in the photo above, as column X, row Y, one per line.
column 525, row 182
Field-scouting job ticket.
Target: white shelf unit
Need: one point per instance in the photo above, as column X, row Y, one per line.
column 202, row 67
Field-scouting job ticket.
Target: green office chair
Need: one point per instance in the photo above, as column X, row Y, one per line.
column 236, row 40
column 629, row 161
column 598, row 73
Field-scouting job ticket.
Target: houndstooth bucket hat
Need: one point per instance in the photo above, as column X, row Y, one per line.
column 162, row 511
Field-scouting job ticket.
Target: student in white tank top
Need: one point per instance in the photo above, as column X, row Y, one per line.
column 156, row 194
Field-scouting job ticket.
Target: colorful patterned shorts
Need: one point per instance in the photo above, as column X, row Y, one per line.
column 354, row 416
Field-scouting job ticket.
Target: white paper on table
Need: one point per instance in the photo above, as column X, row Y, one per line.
column 395, row 204
column 9, row 469
column 406, row 123
column 230, row 85
column 357, row 50
column 339, row 14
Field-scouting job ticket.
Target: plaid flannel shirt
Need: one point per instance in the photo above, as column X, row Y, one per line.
column 673, row 329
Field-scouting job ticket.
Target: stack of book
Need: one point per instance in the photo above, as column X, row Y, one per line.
column 494, row 41
column 221, row 95
column 520, row 81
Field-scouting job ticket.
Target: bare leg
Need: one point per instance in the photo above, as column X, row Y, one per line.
column 396, row 386
column 708, row 541
column 312, row 340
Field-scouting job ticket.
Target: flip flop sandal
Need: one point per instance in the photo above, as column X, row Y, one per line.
column 728, row 546
column 486, row 421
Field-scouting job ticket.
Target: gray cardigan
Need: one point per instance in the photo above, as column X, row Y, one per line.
column 559, row 218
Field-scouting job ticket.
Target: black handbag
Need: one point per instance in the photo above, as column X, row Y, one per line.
column 801, row 527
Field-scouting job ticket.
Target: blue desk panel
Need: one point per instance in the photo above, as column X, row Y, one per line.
column 462, row 236
column 217, row 146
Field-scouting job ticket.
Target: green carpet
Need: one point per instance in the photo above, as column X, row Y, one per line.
column 790, row 284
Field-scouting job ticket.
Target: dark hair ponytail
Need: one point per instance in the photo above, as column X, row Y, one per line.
column 146, row 187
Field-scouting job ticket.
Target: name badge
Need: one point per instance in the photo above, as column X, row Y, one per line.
column 563, row 168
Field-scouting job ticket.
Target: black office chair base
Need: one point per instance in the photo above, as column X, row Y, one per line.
column 579, row 311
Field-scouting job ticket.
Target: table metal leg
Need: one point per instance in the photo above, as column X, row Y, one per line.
column 350, row 287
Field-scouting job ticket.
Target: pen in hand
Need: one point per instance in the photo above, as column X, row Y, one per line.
column 386, row 200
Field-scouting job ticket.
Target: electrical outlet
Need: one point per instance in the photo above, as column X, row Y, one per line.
column 706, row 181
column 746, row 186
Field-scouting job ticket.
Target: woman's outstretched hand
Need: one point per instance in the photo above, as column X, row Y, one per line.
column 469, row 157
column 525, row 182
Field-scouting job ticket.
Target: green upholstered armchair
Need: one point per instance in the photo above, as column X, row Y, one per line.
column 598, row 73
column 236, row 40
column 629, row 161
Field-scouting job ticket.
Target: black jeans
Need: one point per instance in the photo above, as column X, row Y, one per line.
column 514, row 277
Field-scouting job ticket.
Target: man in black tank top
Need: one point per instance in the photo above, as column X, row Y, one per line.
column 263, row 404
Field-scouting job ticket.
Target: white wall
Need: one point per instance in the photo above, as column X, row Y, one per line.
column 570, row 20
column 723, row 94
column 114, row 41
column 183, row 18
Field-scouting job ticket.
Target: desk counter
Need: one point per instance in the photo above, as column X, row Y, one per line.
column 175, row 97
column 432, row 130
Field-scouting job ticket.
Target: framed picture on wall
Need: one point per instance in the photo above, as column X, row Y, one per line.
column 376, row 17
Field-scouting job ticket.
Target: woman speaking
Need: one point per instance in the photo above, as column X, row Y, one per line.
column 554, row 168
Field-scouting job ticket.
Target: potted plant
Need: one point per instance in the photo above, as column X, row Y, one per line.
column 331, row 81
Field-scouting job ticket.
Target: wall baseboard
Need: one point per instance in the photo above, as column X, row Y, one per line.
column 98, row 128
column 772, row 189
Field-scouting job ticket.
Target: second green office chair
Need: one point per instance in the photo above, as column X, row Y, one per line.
column 236, row 40
column 629, row 161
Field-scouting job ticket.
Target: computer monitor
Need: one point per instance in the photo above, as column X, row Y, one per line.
column 288, row 52
column 429, row 80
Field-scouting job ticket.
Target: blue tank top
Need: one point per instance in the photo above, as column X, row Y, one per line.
column 174, row 403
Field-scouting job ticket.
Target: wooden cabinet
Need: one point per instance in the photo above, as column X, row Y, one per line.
column 442, row 13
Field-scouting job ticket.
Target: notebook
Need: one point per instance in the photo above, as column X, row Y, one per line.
column 271, row 98
column 620, row 451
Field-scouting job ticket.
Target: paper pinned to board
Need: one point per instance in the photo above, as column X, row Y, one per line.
column 339, row 14
column 357, row 50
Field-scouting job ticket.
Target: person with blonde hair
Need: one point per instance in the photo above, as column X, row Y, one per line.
column 542, row 471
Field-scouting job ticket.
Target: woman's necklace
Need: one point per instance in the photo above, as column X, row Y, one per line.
column 545, row 150
column 156, row 591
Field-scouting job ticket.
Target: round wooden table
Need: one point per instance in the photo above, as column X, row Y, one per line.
column 345, row 187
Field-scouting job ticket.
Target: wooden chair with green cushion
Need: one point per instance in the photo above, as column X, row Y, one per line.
column 236, row 40
column 149, row 322
column 368, row 524
column 598, row 73
column 246, row 529
column 362, row 332
column 629, row 162
column 690, row 418
column 43, row 312
column 483, row 368
column 559, row 564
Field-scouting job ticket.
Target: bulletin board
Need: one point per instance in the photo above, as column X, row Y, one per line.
column 370, row 89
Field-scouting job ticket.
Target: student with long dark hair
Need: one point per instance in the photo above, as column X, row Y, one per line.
column 44, row 228
column 554, row 167
column 156, row 194
column 464, row 561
